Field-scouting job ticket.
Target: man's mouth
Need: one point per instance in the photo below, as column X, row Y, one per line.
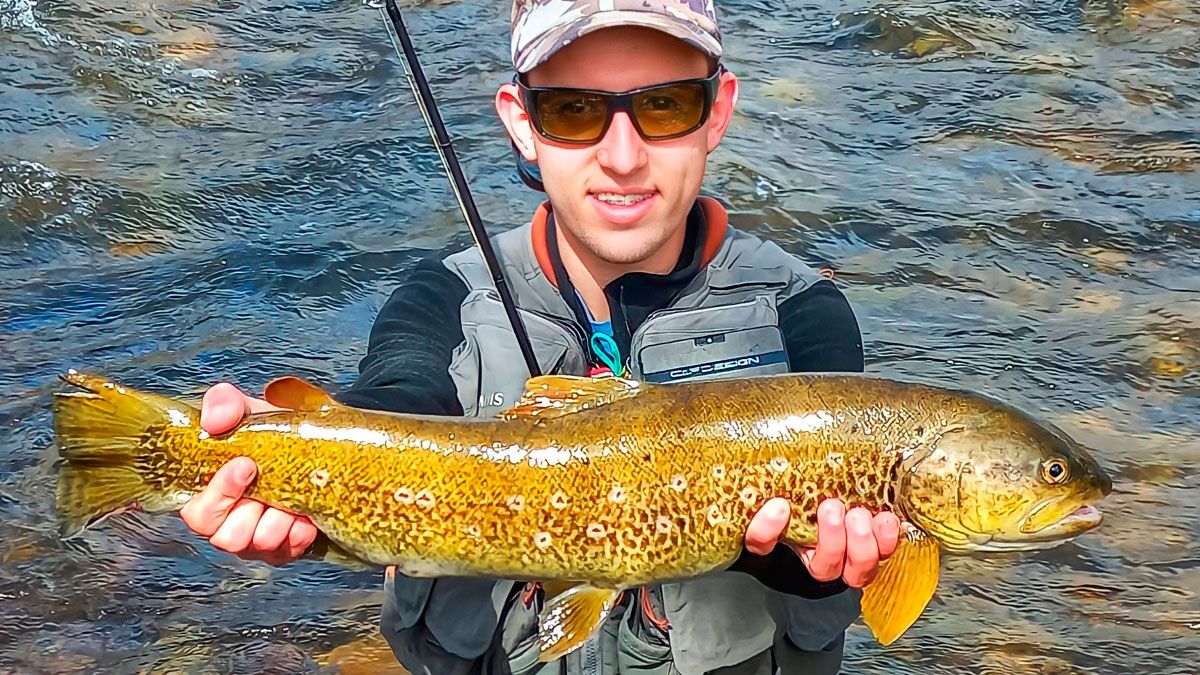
column 622, row 200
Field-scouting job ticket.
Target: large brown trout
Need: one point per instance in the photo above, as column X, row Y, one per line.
column 607, row 484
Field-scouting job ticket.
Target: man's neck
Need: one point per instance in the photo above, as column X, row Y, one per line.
column 591, row 274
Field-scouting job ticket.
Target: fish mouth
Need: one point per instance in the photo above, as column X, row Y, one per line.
column 1074, row 523
column 1068, row 527
column 1041, row 523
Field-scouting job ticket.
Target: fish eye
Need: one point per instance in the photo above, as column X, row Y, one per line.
column 1054, row 471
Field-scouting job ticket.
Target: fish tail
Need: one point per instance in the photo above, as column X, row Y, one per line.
column 105, row 434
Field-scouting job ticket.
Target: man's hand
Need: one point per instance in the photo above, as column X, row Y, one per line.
column 849, row 545
column 243, row 527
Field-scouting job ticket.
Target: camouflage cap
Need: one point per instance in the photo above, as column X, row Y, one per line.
column 542, row 27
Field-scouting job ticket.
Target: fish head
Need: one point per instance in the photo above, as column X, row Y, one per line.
column 995, row 479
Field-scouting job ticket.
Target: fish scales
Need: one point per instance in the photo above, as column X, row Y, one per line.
column 606, row 484
column 624, row 494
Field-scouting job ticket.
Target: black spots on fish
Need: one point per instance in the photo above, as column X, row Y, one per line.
column 920, row 430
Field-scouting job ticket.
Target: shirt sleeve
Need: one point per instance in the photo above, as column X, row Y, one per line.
column 411, row 346
column 821, row 335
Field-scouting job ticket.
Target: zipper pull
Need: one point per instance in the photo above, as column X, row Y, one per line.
column 605, row 348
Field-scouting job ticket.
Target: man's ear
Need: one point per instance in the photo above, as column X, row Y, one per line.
column 722, row 110
column 514, row 118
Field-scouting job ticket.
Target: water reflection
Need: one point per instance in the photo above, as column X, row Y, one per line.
column 1007, row 191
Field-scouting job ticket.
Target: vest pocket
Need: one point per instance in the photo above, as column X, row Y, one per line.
column 489, row 370
column 640, row 650
column 740, row 339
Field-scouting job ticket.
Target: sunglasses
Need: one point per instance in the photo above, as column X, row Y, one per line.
column 659, row 112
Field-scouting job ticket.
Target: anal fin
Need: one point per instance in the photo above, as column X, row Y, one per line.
column 571, row 618
column 905, row 585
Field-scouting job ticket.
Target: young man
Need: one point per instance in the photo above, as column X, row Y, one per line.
column 625, row 268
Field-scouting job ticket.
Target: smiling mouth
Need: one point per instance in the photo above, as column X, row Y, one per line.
column 622, row 200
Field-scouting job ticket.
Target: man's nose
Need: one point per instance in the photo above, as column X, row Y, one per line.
column 622, row 150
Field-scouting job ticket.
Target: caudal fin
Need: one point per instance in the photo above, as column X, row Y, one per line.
column 104, row 437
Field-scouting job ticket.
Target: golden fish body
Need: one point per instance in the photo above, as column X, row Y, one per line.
column 609, row 483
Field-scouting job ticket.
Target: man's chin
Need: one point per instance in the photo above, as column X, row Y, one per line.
column 624, row 246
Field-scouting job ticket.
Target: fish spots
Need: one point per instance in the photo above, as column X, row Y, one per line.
column 779, row 464
column 472, row 531
column 515, row 503
column 319, row 477
column 749, row 496
column 678, row 483
column 718, row 471
column 424, row 500
column 542, row 540
column 559, row 500
column 715, row 517
column 662, row 525
column 617, row 495
column 835, row 460
column 809, row 489
column 404, row 495
column 863, row 485
column 596, row 531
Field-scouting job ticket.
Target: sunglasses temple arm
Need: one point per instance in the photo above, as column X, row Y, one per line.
column 458, row 181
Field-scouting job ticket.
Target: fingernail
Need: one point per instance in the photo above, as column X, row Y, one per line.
column 244, row 472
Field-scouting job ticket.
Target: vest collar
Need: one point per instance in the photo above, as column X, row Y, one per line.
column 716, row 222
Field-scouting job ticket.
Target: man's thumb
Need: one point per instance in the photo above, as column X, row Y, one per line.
column 205, row 513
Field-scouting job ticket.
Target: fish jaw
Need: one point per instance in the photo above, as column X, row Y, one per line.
column 1068, row 527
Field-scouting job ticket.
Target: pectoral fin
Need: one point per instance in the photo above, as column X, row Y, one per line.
column 571, row 618
column 905, row 585
column 294, row 393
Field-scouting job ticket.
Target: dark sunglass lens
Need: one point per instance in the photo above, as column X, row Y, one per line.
column 572, row 116
column 669, row 110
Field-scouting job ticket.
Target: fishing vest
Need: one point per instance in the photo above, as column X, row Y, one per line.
column 723, row 324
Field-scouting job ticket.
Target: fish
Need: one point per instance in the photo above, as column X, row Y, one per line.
column 604, row 485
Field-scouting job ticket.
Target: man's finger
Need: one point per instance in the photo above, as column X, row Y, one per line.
column 825, row 563
column 224, row 405
column 767, row 526
column 272, row 530
column 237, row 532
column 301, row 536
column 206, row 512
column 887, row 533
column 862, row 553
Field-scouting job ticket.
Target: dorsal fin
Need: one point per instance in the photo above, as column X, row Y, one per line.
column 549, row 396
column 294, row 393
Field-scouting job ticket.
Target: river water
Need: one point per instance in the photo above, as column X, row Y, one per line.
column 1009, row 192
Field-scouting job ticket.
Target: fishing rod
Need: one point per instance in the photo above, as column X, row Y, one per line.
column 458, row 181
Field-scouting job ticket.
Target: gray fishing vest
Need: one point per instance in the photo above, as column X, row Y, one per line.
column 723, row 324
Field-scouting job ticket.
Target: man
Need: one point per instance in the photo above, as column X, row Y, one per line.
column 625, row 269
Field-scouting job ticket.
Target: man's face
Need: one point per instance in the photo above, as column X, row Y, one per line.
column 621, row 198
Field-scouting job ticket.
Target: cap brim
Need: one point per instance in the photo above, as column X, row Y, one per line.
column 545, row 45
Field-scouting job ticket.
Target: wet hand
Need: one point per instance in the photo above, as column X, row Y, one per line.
column 248, row 529
column 850, row 545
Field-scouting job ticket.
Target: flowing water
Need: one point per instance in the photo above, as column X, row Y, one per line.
column 1008, row 190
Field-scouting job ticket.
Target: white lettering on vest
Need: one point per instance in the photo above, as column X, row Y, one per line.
column 716, row 367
